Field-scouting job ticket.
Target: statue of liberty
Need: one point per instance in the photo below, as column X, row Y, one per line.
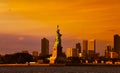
column 57, row 48
column 58, row 38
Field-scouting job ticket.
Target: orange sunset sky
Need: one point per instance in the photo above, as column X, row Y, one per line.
column 24, row 22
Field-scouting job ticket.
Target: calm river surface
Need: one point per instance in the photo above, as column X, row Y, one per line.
column 65, row 69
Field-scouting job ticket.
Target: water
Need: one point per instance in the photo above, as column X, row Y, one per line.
column 66, row 69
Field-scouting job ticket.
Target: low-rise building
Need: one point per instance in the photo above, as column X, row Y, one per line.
column 113, row 55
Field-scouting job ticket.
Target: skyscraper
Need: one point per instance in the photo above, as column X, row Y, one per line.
column 117, row 43
column 91, row 48
column 85, row 48
column 78, row 47
column 44, row 47
column 92, row 45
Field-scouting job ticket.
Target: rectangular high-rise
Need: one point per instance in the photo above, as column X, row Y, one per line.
column 92, row 45
column 44, row 47
column 78, row 47
column 117, row 43
column 85, row 48
column 91, row 48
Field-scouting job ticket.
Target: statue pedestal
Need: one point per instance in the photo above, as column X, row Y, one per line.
column 52, row 60
column 57, row 60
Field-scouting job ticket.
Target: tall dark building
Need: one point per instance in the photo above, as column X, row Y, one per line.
column 85, row 48
column 117, row 43
column 78, row 47
column 44, row 47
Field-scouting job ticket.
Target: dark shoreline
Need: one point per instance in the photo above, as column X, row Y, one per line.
column 55, row 65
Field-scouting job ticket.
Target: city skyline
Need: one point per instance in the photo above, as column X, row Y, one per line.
column 64, row 50
column 23, row 23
